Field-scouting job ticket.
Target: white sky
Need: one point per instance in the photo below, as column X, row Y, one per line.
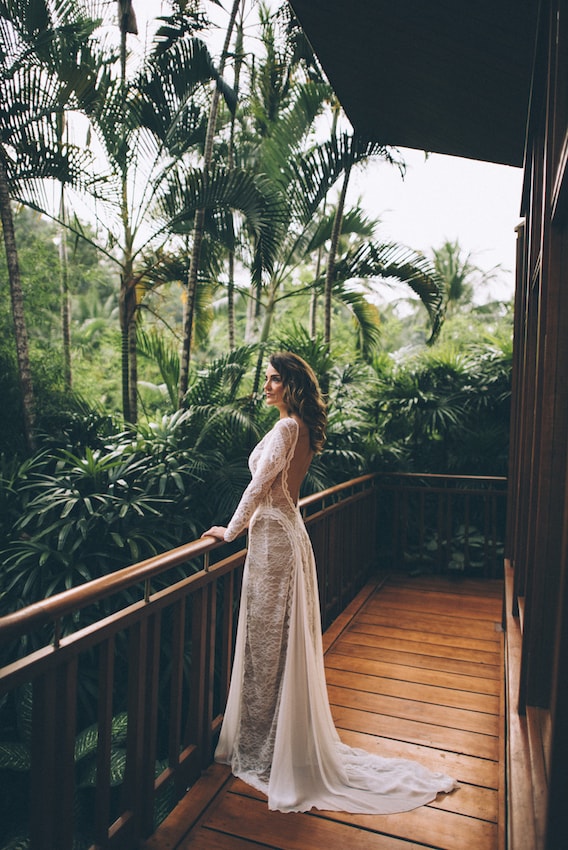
column 447, row 198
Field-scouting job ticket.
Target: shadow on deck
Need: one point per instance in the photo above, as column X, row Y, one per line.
column 414, row 669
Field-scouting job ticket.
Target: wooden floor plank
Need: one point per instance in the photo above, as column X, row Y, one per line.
column 428, row 821
column 428, row 734
column 418, row 647
column 432, row 662
column 467, row 769
column 439, row 584
column 459, row 720
column 206, row 838
column 395, row 706
column 484, row 641
column 437, row 695
column 250, row 818
column 469, row 607
column 403, row 673
column 426, row 622
column 432, row 827
column 414, row 671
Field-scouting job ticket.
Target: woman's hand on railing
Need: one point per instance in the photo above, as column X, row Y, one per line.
column 217, row 531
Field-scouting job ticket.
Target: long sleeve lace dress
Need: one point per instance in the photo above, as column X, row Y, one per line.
column 278, row 734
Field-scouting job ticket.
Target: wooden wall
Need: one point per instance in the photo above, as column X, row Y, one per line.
column 537, row 546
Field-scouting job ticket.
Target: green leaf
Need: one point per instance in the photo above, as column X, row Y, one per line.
column 88, row 775
column 68, row 507
column 14, row 757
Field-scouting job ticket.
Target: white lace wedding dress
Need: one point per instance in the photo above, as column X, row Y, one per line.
column 278, row 734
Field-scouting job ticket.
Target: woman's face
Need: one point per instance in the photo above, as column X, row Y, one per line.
column 274, row 388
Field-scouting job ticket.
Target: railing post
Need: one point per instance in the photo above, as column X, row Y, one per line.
column 135, row 761
column 52, row 752
column 150, row 744
column 104, row 742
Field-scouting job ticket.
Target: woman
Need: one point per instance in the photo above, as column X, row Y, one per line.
column 278, row 733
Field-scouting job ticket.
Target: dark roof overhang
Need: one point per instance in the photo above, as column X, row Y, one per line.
column 446, row 76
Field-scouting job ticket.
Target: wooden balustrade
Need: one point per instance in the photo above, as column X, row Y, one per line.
column 442, row 523
column 128, row 690
column 126, row 676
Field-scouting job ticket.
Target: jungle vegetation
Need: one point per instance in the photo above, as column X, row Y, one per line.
column 174, row 207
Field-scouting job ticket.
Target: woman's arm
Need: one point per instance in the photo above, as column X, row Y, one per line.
column 271, row 462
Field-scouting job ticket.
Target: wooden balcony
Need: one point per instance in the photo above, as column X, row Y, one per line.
column 414, row 669
column 119, row 685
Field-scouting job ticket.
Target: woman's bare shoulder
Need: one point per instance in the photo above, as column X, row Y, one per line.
column 290, row 423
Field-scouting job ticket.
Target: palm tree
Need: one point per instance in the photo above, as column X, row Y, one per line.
column 460, row 275
column 277, row 138
column 354, row 267
column 145, row 126
column 34, row 36
column 238, row 54
column 199, row 222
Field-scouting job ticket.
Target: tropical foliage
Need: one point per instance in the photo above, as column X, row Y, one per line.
column 171, row 213
column 282, row 263
column 447, row 411
column 274, row 151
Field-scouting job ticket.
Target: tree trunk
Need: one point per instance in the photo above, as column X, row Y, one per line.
column 133, row 361
column 124, row 349
column 127, row 299
column 18, row 315
column 314, row 297
column 264, row 334
column 268, row 312
column 239, row 57
column 198, row 224
column 252, row 314
column 231, row 301
column 128, row 308
column 313, row 314
column 65, row 301
column 335, row 234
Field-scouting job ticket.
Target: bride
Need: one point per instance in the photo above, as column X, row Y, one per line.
column 278, row 734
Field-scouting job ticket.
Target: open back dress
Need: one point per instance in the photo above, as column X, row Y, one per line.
column 278, row 734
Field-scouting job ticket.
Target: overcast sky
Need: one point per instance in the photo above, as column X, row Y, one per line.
column 447, row 198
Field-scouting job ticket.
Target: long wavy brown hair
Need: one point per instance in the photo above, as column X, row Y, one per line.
column 302, row 394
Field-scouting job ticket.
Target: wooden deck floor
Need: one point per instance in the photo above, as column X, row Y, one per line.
column 414, row 669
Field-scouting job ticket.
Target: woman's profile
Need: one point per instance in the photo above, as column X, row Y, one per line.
column 278, row 734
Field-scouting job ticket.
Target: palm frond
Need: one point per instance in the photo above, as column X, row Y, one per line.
column 294, row 124
column 354, row 222
column 396, row 262
column 220, row 190
column 311, row 175
column 153, row 345
column 167, row 86
column 221, row 381
column 366, row 317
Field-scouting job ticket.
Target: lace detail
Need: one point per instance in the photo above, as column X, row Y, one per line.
column 268, row 463
column 278, row 733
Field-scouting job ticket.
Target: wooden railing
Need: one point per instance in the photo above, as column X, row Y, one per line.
column 452, row 524
column 139, row 661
